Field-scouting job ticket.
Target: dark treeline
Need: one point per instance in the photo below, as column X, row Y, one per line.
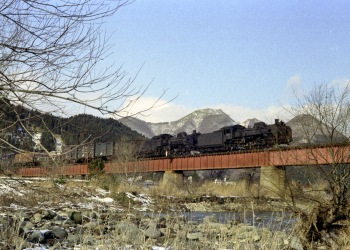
column 17, row 123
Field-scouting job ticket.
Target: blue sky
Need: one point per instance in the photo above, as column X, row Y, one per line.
column 240, row 56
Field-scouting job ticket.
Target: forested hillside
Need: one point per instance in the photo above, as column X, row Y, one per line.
column 81, row 127
column 73, row 130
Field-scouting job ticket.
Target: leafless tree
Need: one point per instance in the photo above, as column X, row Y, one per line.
column 51, row 55
column 322, row 116
column 125, row 155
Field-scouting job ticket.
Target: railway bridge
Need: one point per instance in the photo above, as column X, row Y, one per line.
column 272, row 162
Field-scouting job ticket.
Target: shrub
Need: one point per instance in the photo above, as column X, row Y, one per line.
column 96, row 166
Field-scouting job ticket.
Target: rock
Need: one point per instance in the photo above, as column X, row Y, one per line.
column 194, row 236
column 36, row 236
column 99, row 230
column 59, row 217
column 60, row 223
column 68, row 222
column 256, row 237
column 92, row 215
column 73, row 239
column 48, row 234
column 63, row 215
column 152, row 224
column 48, row 214
column 79, row 229
column 59, row 233
column 165, row 231
column 91, row 225
column 77, row 217
column 27, row 225
column 129, row 230
column 89, row 239
column 37, row 217
column 25, row 215
column 47, row 225
column 295, row 243
column 153, row 233
column 126, row 226
column 6, row 220
column 162, row 222
column 210, row 218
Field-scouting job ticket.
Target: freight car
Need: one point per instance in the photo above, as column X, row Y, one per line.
column 30, row 159
column 230, row 138
column 69, row 154
column 87, row 152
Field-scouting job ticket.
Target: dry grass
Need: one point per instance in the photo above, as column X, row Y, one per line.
column 185, row 189
column 52, row 191
column 239, row 188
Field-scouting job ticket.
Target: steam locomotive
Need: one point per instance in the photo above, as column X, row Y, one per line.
column 230, row 138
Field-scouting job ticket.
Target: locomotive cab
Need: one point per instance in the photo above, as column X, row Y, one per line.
column 232, row 132
column 232, row 137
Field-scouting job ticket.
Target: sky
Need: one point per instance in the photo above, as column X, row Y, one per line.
column 243, row 57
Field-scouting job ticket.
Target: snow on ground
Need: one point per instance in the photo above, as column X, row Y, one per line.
column 88, row 197
column 145, row 201
column 103, row 199
column 12, row 186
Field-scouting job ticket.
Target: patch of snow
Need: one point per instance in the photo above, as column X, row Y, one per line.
column 144, row 199
column 104, row 200
column 161, row 248
column 6, row 189
column 102, row 191
column 36, row 248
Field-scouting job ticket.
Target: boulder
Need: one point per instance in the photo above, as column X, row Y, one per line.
column 153, row 233
column 48, row 214
column 59, row 233
column 77, row 217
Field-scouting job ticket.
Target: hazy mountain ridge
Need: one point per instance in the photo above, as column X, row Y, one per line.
column 309, row 130
column 138, row 125
column 203, row 121
column 249, row 123
column 209, row 120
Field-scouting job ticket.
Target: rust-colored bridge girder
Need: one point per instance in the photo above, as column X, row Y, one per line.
column 33, row 172
column 79, row 169
column 276, row 157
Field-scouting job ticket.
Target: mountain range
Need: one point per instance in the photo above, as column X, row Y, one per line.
column 209, row 120
column 203, row 120
column 309, row 130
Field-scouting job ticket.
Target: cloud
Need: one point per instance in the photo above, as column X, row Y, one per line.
column 294, row 82
column 268, row 114
column 153, row 109
column 164, row 111
column 341, row 82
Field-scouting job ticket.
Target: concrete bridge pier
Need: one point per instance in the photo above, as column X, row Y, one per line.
column 173, row 179
column 273, row 181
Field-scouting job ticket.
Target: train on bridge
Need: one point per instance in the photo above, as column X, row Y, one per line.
column 226, row 139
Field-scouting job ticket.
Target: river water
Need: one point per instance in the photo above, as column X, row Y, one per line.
column 275, row 221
